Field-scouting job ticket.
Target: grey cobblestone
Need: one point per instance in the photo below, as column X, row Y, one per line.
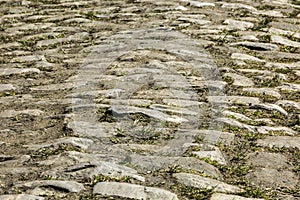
column 149, row 99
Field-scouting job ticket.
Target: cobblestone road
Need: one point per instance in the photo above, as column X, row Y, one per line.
column 150, row 99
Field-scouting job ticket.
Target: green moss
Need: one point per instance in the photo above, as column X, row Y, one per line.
column 199, row 139
column 296, row 2
column 269, row 83
column 210, row 161
column 192, row 192
column 231, row 129
column 46, row 152
column 264, row 38
column 102, row 178
column 288, row 49
column 255, row 192
column 263, row 23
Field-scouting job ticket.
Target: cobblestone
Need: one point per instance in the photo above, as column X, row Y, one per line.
column 149, row 99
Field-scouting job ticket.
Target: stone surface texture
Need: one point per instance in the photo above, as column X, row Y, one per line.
column 150, row 99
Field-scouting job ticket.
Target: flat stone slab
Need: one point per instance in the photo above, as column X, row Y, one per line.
column 125, row 110
column 233, row 100
column 211, row 85
column 70, row 186
column 246, row 57
column 280, row 141
column 269, row 107
column 263, row 73
column 198, row 4
column 220, row 196
column 13, row 113
column 21, row 197
column 263, row 91
column 53, row 87
column 238, row 6
column 200, row 182
column 172, row 109
column 257, row 46
column 268, row 160
column 132, row 191
column 283, row 41
column 268, row 177
column 288, row 104
column 11, row 71
column 91, row 129
column 270, row 13
column 236, row 115
column 72, row 158
column 82, row 143
column 181, row 102
column 208, row 151
column 292, row 65
column 237, row 24
column 165, row 94
column 16, row 99
column 285, row 25
column 6, row 87
column 139, row 147
column 240, row 80
column 29, row 58
column 278, row 31
column 270, row 129
column 289, row 87
column 235, row 123
column 131, row 102
column 88, row 170
column 217, row 136
column 154, row 163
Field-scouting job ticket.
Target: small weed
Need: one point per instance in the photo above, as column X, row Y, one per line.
column 265, row 7
column 102, row 178
column 120, row 132
column 288, row 49
column 48, row 177
column 105, row 116
column 174, row 169
column 265, row 38
column 238, row 109
column 284, row 70
column 228, row 79
column 210, row 161
column 263, row 23
column 199, row 139
column 293, row 14
column 140, row 119
column 237, row 170
column 223, row 38
column 292, row 37
column 192, row 192
column 265, row 97
column 166, row 124
column 230, row 128
column 290, row 95
column 271, row 82
column 252, row 136
column 46, row 152
column 90, row 15
column 5, row 94
column 254, row 193
column 296, row 2
column 114, row 140
column 28, row 43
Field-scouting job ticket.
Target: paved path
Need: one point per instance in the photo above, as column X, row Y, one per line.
column 145, row 99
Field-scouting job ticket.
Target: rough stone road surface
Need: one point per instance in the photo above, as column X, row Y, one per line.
column 150, row 99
